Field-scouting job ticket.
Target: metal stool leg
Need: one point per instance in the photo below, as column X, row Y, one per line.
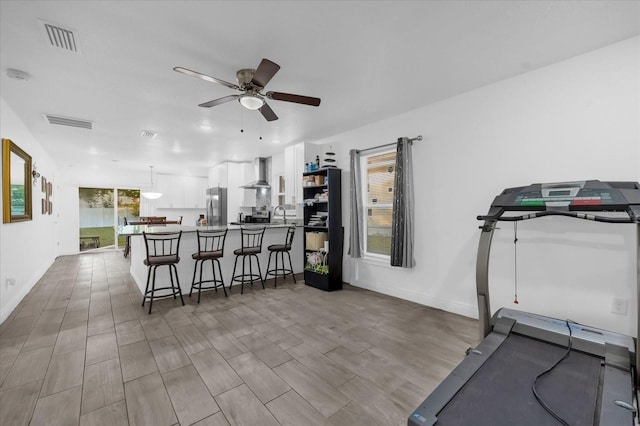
column 275, row 281
column 233, row 275
column 266, row 273
column 193, row 280
column 259, row 270
column 175, row 271
column 221, row 278
column 200, row 283
column 146, row 289
column 290, row 266
column 153, row 288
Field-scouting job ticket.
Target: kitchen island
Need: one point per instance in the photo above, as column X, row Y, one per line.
column 274, row 234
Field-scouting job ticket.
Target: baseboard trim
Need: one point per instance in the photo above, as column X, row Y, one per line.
column 464, row 309
column 7, row 310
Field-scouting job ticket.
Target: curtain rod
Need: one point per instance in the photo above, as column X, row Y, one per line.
column 417, row 138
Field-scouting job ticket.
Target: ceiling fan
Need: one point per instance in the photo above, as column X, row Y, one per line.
column 251, row 82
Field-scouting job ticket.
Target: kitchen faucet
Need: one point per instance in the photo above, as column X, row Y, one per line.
column 284, row 213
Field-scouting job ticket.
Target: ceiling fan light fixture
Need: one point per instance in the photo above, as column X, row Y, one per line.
column 251, row 102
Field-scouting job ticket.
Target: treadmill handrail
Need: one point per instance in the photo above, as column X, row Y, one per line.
column 574, row 214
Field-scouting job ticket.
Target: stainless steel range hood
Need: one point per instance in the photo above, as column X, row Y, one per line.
column 260, row 165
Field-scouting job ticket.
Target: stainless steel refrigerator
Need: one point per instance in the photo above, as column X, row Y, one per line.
column 217, row 206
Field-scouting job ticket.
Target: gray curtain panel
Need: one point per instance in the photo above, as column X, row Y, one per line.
column 402, row 224
column 355, row 201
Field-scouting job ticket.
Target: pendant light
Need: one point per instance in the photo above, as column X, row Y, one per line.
column 152, row 193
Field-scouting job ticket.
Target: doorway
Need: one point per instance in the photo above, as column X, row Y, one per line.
column 102, row 210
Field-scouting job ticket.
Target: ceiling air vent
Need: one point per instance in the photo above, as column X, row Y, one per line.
column 62, row 38
column 66, row 121
column 149, row 134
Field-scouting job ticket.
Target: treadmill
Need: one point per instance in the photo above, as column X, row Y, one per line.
column 592, row 385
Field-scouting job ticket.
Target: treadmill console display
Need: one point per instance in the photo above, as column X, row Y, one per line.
column 555, row 198
column 555, row 195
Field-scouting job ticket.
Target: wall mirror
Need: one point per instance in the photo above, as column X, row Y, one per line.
column 16, row 183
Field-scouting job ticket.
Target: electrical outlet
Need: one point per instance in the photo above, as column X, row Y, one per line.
column 619, row 306
column 10, row 282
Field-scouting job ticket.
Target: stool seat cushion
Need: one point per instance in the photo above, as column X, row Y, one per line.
column 162, row 260
column 206, row 255
column 247, row 250
column 279, row 247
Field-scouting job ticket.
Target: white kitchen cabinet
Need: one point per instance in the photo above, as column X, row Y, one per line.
column 164, row 185
column 218, row 176
column 249, row 195
column 181, row 192
column 194, row 192
column 295, row 158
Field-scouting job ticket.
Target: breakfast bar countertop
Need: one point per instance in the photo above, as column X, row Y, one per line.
column 158, row 228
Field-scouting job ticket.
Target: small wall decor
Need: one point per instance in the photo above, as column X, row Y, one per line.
column 47, row 188
column 35, row 174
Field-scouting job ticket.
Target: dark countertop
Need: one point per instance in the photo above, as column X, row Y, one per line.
column 151, row 229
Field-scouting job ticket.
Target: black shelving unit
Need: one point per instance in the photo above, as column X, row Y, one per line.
column 330, row 277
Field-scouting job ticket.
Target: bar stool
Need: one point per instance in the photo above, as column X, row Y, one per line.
column 281, row 249
column 162, row 250
column 251, row 240
column 210, row 247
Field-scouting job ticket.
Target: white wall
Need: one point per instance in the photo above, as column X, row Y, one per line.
column 27, row 249
column 577, row 119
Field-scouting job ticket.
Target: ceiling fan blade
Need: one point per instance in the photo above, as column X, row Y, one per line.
column 268, row 113
column 206, row 77
column 288, row 97
column 265, row 72
column 219, row 101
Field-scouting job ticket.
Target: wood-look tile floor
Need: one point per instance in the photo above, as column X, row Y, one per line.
column 79, row 349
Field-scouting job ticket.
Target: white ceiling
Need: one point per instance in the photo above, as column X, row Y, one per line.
column 366, row 60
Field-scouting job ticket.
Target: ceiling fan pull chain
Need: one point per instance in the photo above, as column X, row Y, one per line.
column 259, row 127
column 241, row 120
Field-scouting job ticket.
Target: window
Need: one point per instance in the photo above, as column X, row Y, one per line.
column 379, row 175
column 101, row 210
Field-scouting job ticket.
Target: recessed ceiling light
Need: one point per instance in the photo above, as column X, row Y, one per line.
column 276, row 141
column 149, row 134
column 206, row 127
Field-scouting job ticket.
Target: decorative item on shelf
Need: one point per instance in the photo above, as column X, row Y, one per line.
column 317, row 262
column 318, row 219
column 329, row 159
column 35, row 174
column 315, row 240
